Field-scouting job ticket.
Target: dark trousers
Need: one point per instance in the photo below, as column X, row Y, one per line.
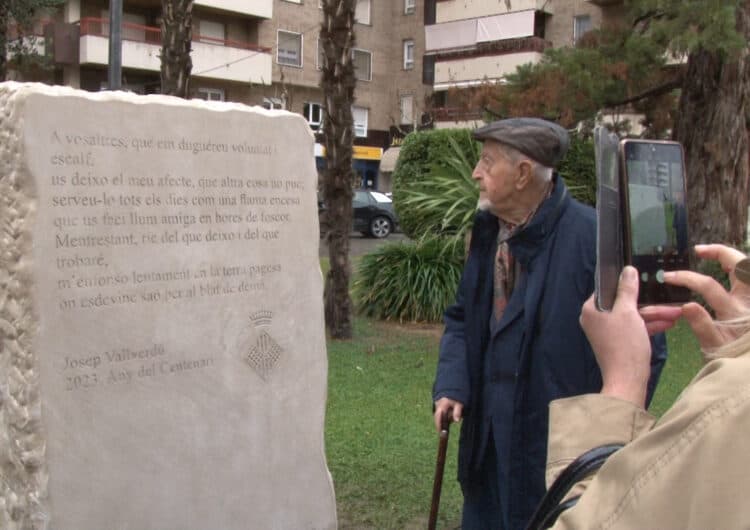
column 482, row 508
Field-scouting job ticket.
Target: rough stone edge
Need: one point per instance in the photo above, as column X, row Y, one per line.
column 24, row 89
column 23, row 470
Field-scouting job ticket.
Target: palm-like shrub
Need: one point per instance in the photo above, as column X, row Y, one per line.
column 443, row 204
column 408, row 281
column 433, row 192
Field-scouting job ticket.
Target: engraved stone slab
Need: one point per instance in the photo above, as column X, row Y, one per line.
column 162, row 361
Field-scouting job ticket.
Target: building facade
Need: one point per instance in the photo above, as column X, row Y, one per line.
column 470, row 43
column 413, row 58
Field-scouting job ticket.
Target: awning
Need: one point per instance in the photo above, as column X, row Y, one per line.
column 466, row 34
column 508, row 26
column 359, row 152
column 388, row 162
column 447, row 35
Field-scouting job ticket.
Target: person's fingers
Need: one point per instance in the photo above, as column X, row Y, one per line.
column 702, row 325
column 588, row 311
column 458, row 412
column 442, row 410
column 660, row 318
column 727, row 257
column 659, row 326
column 627, row 288
column 660, row 312
column 447, row 409
column 712, row 291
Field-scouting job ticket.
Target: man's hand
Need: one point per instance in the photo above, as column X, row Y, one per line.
column 447, row 408
column 620, row 342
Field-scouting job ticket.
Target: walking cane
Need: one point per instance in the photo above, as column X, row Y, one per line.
column 437, row 486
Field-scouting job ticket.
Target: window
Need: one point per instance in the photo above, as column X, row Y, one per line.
column 210, row 94
column 408, row 54
column 211, row 32
column 362, row 12
column 581, row 26
column 428, row 70
column 410, row 6
column 289, row 48
column 135, row 30
column 407, row 109
column 430, row 12
column 273, row 103
column 359, row 115
column 313, row 113
column 362, row 60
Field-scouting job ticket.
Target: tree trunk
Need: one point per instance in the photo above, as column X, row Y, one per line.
column 712, row 125
column 338, row 82
column 176, row 41
column 4, row 20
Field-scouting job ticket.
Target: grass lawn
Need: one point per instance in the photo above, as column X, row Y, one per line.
column 683, row 362
column 380, row 440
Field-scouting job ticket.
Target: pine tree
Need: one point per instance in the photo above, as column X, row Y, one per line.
column 19, row 14
column 639, row 64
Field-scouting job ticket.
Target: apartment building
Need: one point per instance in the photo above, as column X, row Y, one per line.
column 413, row 58
column 264, row 52
column 390, row 95
column 469, row 43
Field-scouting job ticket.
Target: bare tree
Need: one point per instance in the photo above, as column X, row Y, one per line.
column 338, row 83
column 176, row 42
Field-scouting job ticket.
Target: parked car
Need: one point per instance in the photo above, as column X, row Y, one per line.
column 372, row 211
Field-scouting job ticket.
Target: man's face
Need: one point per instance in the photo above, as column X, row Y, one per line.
column 495, row 174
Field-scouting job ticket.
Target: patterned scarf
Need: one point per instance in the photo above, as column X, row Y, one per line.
column 504, row 270
column 505, row 265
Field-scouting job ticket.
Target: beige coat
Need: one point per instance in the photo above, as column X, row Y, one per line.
column 689, row 470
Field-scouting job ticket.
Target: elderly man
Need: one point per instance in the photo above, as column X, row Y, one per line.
column 512, row 340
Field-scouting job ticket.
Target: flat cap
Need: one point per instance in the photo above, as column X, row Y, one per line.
column 541, row 140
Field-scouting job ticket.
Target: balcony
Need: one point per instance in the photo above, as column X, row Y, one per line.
column 486, row 63
column 141, row 46
column 256, row 8
column 455, row 114
column 449, row 10
column 465, row 72
column 468, row 34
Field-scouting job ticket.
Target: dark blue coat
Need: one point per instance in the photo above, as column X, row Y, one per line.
column 538, row 351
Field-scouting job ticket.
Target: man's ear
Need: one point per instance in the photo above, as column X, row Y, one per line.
column 524, row 176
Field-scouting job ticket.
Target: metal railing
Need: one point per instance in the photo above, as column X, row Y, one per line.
column 501, row 47
column 455, row 114
column 152, row 35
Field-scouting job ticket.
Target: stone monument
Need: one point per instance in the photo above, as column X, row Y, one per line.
column 162, row 344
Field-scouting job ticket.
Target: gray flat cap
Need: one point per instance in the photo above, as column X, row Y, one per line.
column 541, row 140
